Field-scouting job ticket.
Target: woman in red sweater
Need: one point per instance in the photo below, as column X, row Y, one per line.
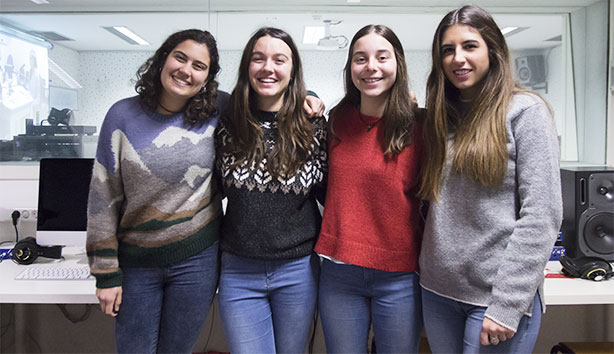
column 371, row 229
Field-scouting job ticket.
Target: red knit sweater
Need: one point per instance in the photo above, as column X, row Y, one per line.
column 372, row 214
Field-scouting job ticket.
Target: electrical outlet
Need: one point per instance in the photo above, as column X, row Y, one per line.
column 28, row 214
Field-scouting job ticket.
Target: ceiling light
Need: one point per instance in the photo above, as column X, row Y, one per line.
column 353, row 1
column 312, row 34
column 39, row 2
column 127, row 35
column 510, row 31
column 507, row 30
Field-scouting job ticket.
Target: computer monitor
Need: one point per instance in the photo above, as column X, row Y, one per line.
column 62, row 201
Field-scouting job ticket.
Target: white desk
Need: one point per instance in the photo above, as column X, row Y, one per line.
column 47, row 291
column 563, row 291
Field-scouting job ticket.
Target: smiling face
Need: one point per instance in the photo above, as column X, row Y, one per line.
column 373, row 67
column 464, row 58
column 184, row 73
column 270, row 71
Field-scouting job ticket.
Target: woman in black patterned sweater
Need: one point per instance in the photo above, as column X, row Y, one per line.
column 272, row 162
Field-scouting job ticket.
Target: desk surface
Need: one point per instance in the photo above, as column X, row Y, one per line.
column 47, row 291
column 558, row 291
column 566, row 291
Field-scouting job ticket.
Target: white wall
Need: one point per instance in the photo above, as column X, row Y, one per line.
column 110, row 76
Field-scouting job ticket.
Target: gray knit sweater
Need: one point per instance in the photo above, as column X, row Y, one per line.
column 489, row 247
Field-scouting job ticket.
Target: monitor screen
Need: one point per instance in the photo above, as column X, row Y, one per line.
column 62, row 201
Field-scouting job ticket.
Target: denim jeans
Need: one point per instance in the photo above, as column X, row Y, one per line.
column 353, row 297
column 267, row 306
column 163, row 309
column 455, row 327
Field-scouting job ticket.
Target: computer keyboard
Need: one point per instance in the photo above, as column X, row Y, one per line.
column 55, row 273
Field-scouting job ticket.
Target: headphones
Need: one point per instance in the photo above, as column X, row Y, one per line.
column 591, row 268
column 27, row 250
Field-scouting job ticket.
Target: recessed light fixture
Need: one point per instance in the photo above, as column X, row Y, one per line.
column 127, row 35
column 313, row 34
column 511, row 30
column 39, row 2
column 353, row 1
column 507, row 30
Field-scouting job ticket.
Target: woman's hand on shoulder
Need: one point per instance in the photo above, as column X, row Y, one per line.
column 110, row 299
column 313, row 106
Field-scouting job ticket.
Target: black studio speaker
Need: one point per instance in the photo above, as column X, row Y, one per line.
column 588, row 212
column 531, row 70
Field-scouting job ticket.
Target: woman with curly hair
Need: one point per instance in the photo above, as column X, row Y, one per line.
column 153, row 213
column 492, row 178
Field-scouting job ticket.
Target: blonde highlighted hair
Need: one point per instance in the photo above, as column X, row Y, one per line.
column 480, row 140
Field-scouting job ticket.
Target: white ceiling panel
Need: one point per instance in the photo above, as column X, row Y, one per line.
column 232, row 22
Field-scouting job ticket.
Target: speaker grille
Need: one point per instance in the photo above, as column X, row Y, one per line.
column 597, row 234
column 588, row 211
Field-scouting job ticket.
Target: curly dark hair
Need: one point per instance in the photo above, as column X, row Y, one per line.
column 149, row 87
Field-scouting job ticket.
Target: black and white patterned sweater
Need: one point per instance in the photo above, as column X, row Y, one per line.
column 267, row 217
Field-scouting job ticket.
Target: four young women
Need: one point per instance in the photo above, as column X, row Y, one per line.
column 486, row 162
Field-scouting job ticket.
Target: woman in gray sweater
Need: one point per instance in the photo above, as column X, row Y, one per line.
column 492, row 179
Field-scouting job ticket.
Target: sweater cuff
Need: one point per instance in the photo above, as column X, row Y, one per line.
column 109, row 280
column 506, row 317
column 311, row 93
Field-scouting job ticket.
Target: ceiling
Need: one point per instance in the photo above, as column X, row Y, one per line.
column 233, row 21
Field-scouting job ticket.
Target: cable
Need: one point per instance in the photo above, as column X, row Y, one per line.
column 5, row 329
column 11, row 321
column 210, row 329
column 15, row 216
column 73, row 319
column 40, row 350
column 315, row 327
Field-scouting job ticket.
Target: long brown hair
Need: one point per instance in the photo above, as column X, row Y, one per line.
column 295, row 131
column 480, row 141
column 398, row 117
column 203, row 105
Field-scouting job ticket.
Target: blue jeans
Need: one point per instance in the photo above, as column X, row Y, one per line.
column 351, row 297
column 267, row 306
column 164, row 308
column 455, row 327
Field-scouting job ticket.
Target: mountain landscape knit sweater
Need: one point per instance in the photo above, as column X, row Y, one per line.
column 489, row 246
column 266, row 217
column 152, row 201
column 372, row 215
